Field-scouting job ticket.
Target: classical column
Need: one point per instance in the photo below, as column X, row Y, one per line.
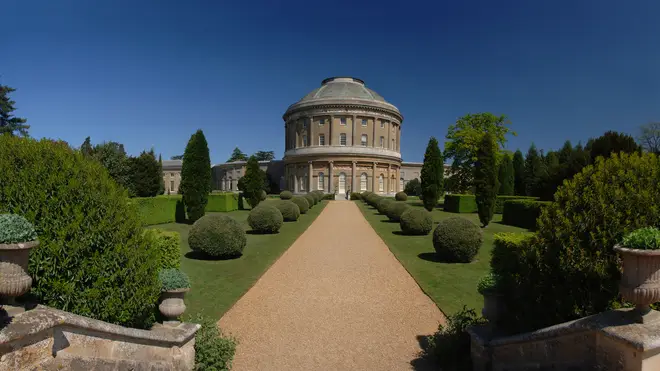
column 398, row 139
column 331, row 183
column 353, row 187
column 373, row 179
column 310, row 131
column 332, row 118
column 353, row 134
column 311, row 177
column 373, row 139
column 295, row 181
column 389, row 137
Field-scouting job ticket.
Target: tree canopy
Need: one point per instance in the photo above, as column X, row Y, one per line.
column 612, row 142
column 519, row 174
column 264, row 155
column 237, row 155
column 252, row 184
column 432, row 175
column 506, row 176
column 649, row 137
column 10, row 124
column 485, row 178
column 196, row 176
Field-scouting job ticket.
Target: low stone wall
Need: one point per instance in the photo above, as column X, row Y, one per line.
column 48, row 339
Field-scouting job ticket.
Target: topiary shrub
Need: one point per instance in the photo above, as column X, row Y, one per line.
column 93, row 259
column 373, row 199
column 522, row 213
column 213, row 351
column 416, row 221
column 401, row 196
column 290, row 211
column 286, row 195
column 265, row 218
column 180, row 212
column 218, row 236
column 173, row 279
column 395, row 209
column 355, row 196
column 383, row 204
column 302, row 202
column 264, row 195
column 317, row 196
column 364, row 195
column 457, row 240
column 311, row 200
column 16, row 229
column 167, row 245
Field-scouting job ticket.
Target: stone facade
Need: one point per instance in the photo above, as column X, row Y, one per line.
column 172, row 175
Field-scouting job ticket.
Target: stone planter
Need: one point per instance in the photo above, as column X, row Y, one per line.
column 492, row 309
column 640, row 282
column 172, row 305
column 14, row 280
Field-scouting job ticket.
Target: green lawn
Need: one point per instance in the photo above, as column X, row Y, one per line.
column 218, row 284
column 450, row 285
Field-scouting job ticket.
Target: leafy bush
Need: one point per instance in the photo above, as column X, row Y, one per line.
column 415, row 221
column 167, row 245
column 196, row 176
column 413, row 188
column 356, row 196
column 364, row 195
column 522, row 213
column 157, row 210
column 286, row 195
column 265, row 218
column 302, row 202
column 401, row 196
column 222, row 202
column 460, row 204
column 642, row 239
column 311, row 200
column 290, row 211
column 432, row 175
column 217, row 236
column 173, row 279
column 382, row 205
column 395, row 209
column 485, row 178
column 499, row 202
column 93, row 259
column 457, row 239
column 328, row 196
column 318, row 195
column 488, row 284
column 15, row 228
column 263, row 195
column 373, row 199
column 213, row 351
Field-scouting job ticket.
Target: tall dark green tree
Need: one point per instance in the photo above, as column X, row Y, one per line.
column 113, row 157
column 534, row 171
column 485, row 178
column 612, row 142
column 519, row 174
column 252, row 184
column 161, row 189
column 265, row 155
column 506, row 176
column 565, row 152
column 237, row 155
column 10, row 124
column 413, row 188
column 196, row 176
column 432, row 175
column 145, row 174
column 86, row 148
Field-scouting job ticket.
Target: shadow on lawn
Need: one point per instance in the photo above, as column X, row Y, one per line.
column 251, row 231
column 424, row 362
column 389, row 221
column 432, row 257
column 198, row 255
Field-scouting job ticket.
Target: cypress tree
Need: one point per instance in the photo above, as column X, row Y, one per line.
column 506, row 176
column 432, row 175
column 252, row 183
column 161, row 190
column 9, row 124
column 519, row 174
column 485, row 179
column 196, row 176
column 534, row 168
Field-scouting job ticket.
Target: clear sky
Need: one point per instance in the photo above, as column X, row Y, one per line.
column 148, row 73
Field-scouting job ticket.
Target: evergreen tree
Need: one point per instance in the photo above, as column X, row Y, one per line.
column 565, row 153
column 534, row 169
column 196, row 176
column 86, row 148
column 612, row 142
column 160, row 174
column 506, row 176
column 177, row 157
column 413, row 188
column 9, row 124
column 252, row 183
column 485, row 179
column 432, row 175
column 519, row 174
column 237, row 155
column 145, row 174
column 265, row 155
column 113, row 157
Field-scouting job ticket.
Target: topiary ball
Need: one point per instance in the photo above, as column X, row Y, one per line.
column 318, row 196
column 383, row 204
column 395, row 209
column 416, row 221
column 263, row 195
column 218, row 236
column 373, row 199
column 286, row 195
column 401, row 196
column 302, row 203
column 290, row 211
column 457, row 240
column 265, row 218
column 311, row 200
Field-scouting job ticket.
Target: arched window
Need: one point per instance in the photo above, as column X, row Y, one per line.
column 321, row 181
column 342, row 139
column 342, row 183
column 363, row 140
column 363, row 182
column 381, row 180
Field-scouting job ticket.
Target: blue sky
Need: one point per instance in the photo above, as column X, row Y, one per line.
column 149, row 73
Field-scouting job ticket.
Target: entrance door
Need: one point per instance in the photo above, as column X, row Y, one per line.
column 342, row 183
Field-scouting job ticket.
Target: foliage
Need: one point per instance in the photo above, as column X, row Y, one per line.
column 166, row 244
column 457, row 240
column 432, row 175
column 506, row 176
column 302, row 202
column 237, row 155
column 176, row 157
column 449, row 348
column 217, row 236
column 569, row 162
column 286, row 195
column 15, row 228
column 613, row 142
column 265, row 219
column 196, row 176
column 173, row 279
column 311, row 199
column 488, row 283
column 413, row 188
column 383, row 204
column 290, row 211
column 499, row 202
column 252, row 184
column 395, row 209
column 485, row 179
column 519, row 187
column 401, row 196
column 263, row 195
column 415, row 221
column 649, row 137
column 222, row 202
column 355, row 196
column 93, row 259
column 180, row 212
column 145, row 175
column 535, row 170
column 328, row 197
column 522, row 213
column 161, row 181
column 213, row 351
column 460, row 204
column 10, row 124
column 373, row 199
column 113, row 158
column 463, row 140
column 642, row 239
column 263, row 155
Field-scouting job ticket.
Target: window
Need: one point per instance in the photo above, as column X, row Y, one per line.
column 363, row 141
column 321, row 139
column 381, row 180
column 364, row 122
column 321, row 122
column 392, row 184
column 363, row 182
column 231, row 185
column 301, row 186
column 342, row 139
column 321, row 181
column 401, row 184
column 342, row 121
column 171, row 186
column 172, row 175
column 382, row 142
column 393, row 144
column 382, row 124
column 304, row 140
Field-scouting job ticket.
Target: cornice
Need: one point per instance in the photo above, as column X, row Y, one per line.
column 311, row 108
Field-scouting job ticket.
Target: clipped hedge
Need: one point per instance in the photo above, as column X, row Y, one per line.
column 167, row 245
column 364, row 195
column 460, row 204
column 311, row 200
column 395, row 209
column 416, row 221
column 523, row 213
column 383, row 204
column 499, row 202
column 265, row 218
column 217, row 236
column 290, row 211
column 373, row 199
column 302, row 202
column 328, row 196
column 286, row 195
column 356, row 196
column 401, row 196
column 156, row 210
column 457, row 240
column 222, row 202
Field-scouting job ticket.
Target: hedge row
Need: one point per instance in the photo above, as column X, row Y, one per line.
column 162, row 209
column 468, row 204
column 523, row 213
column 499, row 203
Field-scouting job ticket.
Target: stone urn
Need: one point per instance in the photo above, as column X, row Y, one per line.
column 640, row 282
column 492, row 309
column 172, row 305
column 14, row 280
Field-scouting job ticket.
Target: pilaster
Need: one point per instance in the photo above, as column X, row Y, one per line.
column 331, row 180
column 353, row 133
column 373, row 178
column 310, row 176
column 353, row 186
column 373, row 136
column 332, row 122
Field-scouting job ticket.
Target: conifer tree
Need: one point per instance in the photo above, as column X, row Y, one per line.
column 534, row 169
column 506, row 176
column 252, row 183
column 145, row 175
column 519, row 174
column 10, row 124
column 196, row 176
column 432, row 175
column 160, row 173
column 485, row 179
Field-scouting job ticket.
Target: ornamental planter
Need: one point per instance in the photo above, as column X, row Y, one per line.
column 172, row 305
column 640, row 282
column 492, row 309
column 14, row 280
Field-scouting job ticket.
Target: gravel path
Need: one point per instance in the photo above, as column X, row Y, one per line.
column 336, row 300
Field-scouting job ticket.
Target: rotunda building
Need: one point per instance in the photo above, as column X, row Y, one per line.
column 343, row 137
